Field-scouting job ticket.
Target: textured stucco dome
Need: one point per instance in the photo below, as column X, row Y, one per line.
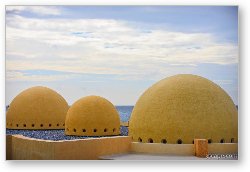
column 92, row 116
column 181, row 108
column 37, row 108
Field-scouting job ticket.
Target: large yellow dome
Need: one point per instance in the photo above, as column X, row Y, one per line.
column 92, row 116
column 37, row 108
column 182, row 108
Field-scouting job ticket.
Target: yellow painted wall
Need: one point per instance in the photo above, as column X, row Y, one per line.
column 92, row 148
column 8, row 147
column 158, row 148
column 182, row 149
column 24, row 148
column 228, row 148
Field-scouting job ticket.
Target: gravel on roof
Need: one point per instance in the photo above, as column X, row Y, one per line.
column 56, row 135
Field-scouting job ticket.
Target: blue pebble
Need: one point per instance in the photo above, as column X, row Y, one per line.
column 55, row 135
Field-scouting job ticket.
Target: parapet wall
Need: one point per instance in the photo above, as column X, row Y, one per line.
column 225, row 148
column 19, row 147
column 183, row 149
column 159, row 148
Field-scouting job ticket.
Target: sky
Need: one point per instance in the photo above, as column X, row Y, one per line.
column 117, row 52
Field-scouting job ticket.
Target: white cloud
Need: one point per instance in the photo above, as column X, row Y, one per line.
column 105, row 46
column 179, row 64
column 19, row 76
column 39, row 10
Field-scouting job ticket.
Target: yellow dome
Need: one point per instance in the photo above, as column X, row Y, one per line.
column 37, row 108
column 92, row 116
column 182, row 108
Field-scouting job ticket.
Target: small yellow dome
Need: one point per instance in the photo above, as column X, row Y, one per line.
column 181, row 108
column 92, row 116
column 37, row 108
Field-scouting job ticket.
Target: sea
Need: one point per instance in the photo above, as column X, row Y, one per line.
column 124, row 112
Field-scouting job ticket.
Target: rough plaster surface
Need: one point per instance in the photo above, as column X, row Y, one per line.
column 158, row 148
column 20, row 148
column 185, row 107
column 23, row 148
column 92, row 116
column 201, row 147
column 37, row 108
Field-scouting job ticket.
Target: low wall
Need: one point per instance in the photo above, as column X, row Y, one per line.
column 19, row 147
column 92, row 148
column 22, row 148
column 224, row 148
column 8, row 147
column 159, row 148
column 183, row 149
